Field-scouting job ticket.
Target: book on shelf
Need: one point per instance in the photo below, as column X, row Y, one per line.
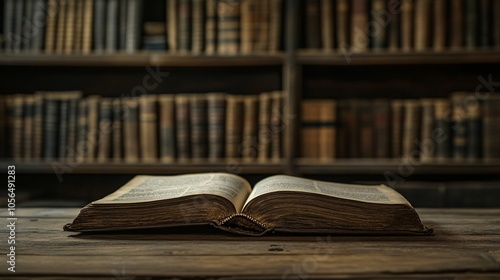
column 359, row 20
column 105, row 126
column 228, row 36
column 216, row 125
column 148, row 123
column 131, row 129
column 277, row 204
column 167, row 127
column 312, row 24
column 117, row 129
column 318, row 129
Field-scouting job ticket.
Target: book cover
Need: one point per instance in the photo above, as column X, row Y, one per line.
column 117, row 130
column 216, row 125
column 342, row 24
column 167, row 127
column 381, row 127
column 211, row 27
column 359, row 21
column 457, row 24
column 312, row 24
column 264, row 127
column 411, row 126
column 397, row 111
column 422, row 24
column 407, row 25
column 198, row 26
column 440, row 35
column 427, row 146
column 184, row 25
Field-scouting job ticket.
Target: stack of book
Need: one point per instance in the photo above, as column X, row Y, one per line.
column 464, row 127
column 406, row 25
column 211, row 127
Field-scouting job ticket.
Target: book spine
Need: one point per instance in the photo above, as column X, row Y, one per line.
column 228, row 12
column 37, row 126
column 276, row 8
column 73, row 99
column 82, row 128
column 92, row 125
column 88, row 14
column 184, row 25
column 198, row 22
column 457, row 24
column 182, row 127
column 26, row 21
column 427, row 149
column 394, row 32
column 50, row 127
column 342, row 24
column 407, row 26
column 309, row 132
column 111, row 26
column 276, row 125
column 248, row 21
column 312, row 24
column 70, row 27
column 422, row 24
column 327, row 132
column 3, row 127
column 262, row 32
column 131, row 130
column 216, row 125
column 473, row 129
column 105, row 126
column 440, row 20
column 27, row 126
column 397, row 110
column 343, row 134
column 60, row 35
column 442, row 128
column 211, row 27
column 496, row 23
column 381, row 128
column 134, row 12
column 366, row 133
column 167, row 128
column 148, row 127
column 380, row 33
column 122, row 25
column 117, row 135
column 78, row 31
column 17, row 37
column 198, row 119
column 8, row 24
column 264, row 126
column 410, row 128
column 327, row 26
column 172, row 24
column 249, row 144
column 491, row 128
column 359, row 21
column 63, row 126
column 485, row 31
column 471, row 24
column 99, row 21
column 233, row 126
column 353, row 124
column 16, row 113
column 459, row 126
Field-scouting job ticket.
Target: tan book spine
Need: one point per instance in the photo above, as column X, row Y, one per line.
column 277, row 126
column 327, row 132
column 93, row 127
column 275, row 26
column 248, row 19
column 167, row 128
column 342, row 24
column 17, row 112
column 172, row 25
column 250, row 128
column 407, row 26
column 427, row 146
column 131, row 130
column 50, row 31
column 105, row 130
column 199, row 123
column 264, row 127
column 70, row 27
column 411, row 129
column 61, row 26
column 211, row 27
column 440, row 21
column 87, row 26
column 228, row 12
column 78, row 30
column 359, row 21
column 117, row 135
column 309, row 132
column 234, row 123
column 327, row 26
column 263, row 22
column 148, row 127
column 182, row 126
column 198, row 26
column 216, row 125
column 422, row 24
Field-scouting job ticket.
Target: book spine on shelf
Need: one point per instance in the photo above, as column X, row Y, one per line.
column 366, row 133
column 342, row 24
column 380, row 30
column 262, row 32
column 167, row 128
column 134, row 25
column 99, row 22
column 17, row 37
column 491, row 128
column 117, row 130
column 394, row 29
column 105, row 128
column 249, row 19
column 73, row 98
column 131, row 130
column 327, row 26
column 359, row 20
column 50, row 131
column 275, row 26
column 309, row 131
column 63, row 125
column 111, row 26
column 328, row 131
column 27, row 144
column 485, row 11
column 8, row 24
column 88, row 15
column 264, row 126
column 82, row 129
column 457, row 24
column 277, row 125
column 182, row 127
column 198, row 26
column 122, row 25
column 471, row 23
column 211, row 27
column 353, row 124
column 422, row 24
column 459, row 127
column 50, row 30
column 250, row 127
column 496, row 23
column 381, row 127
column 184, row 25
column 228, row 12
column 198, row 120
column 410, row 129
column 70, row 27
column 148, row 127
column 38, row 125
column 343, row 134
column 473, row 128
column 216, row 125
column 427, row 146
column 440, row 29
column 312, row 24
column 16, row 113
column 442, row 127
column 78, row 30
column 27, row 37
column 407, row 25
column 60, row 35
column 172, row 17
column 397, row 111
column 234, row 122
column 93, row 127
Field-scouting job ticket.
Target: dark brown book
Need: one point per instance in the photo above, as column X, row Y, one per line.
column 105, row 130
column 38, row 114
column 167, row 128
column 88, row 14
column 3, row 127
column 457, row 24
column 262, row 28
column 234, row 123
column 397, row 111
column 63, row 117
column 198, row 26
column 182, row 127
column 277, row 125
column 381, row 128
column 359, row 21
column 473, row 126
column 328, row 130
column 92, row 126
column 342, row 129
column 366, row 129
column 411, row 129
column 407, row 25
column 496, row 23
column 309, row 130
column 50, row 126
column 342, row 24
column 427, row 139
column 228, row 27
column 379, row 29
column 67, row 128
column 82, row 129
column 491, row 128
column 484, row 15
column 249, row 20
column 280, row 203
column 172, row 22
column 423, row 23
column 312, row 24
column 78, row 30
column 353, row 127
column 459, row 128
column 99, row 25
column 27, row 127
column 216, row 125
column 16, row 112
column 249, row 145
column 440, row 13
column 117, row 133
column 471, row 24
column 211, row 27
column 327, row 26
column 199, row 124
column 442, row 129
column 111, row 26
column 148, row 127
column 264, row 127
column 131, row 129
column 184, row 25
column 394, row 28
column 275, row 26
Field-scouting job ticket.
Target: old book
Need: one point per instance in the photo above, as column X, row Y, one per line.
column 442, row 127
column 111, row 38
column 117, row 133
column 394, row 29
column 172, row 16
column 88, row 15
column 67, row 123
column 234, row 123
column 211, row 27
column 182, row 127
column 328, row 130
column 249, row 144
column 8, row 24
column 38, row 125
column 228, row 12
column 262, row 31
column 277, row 204
column 484, row 16
column 327, row 26
column 50, row 127
column 264, row 127
column 407, row 25
column 342, row 129
column 63, row 117
column 27, row 37
column 198, row 26
column 199, row 125
column 459, row 128
column 70, row 27
column 473, row 127
column 92, row 126
column 379, row 29
column 381, row 128
column 427, row 144
column 310, row 128
column 342, row 24
column 50, row 30
column 17, row 37
column 105, row 130
column 491, row 128
column 38, row 16
column 134, row 25
column 122, row 25
column 471, row 24
column 353, row 127
column 99, row 30
column 359, row 21
column 27, row 127
column 277, row 126
column 275, row 26
column 457, row 24
column 131, row 130
column 422, row 24
column 397, row 111
column 60, row 35
column 216, row 125
column 148, row 123
column 312, row 24
column 249, row 20
column 496, row 23
column 184, row 24
column 78, row 30
column 411, row 126
column 440, row 13
column 82, row 128
column 366, row 129
column 15, row 106
column 167, row 127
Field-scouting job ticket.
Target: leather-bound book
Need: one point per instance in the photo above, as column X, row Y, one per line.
column 148, row 127
column 199, row 124
column 381, row 128
column 167, row 127
column 397, row 111
column 360, row 40
column 105, row 129
column 407, row 25
column 442, row 127
column 427, row 145
column 216, row 125
column 228, row 35
column 249, row 143
column 198, row 26
column 182, row 126
column 234, row 124
column 131, row 129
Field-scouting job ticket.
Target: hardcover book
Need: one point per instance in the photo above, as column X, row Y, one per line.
column 278, row 204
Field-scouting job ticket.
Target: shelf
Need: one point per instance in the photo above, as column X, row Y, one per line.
column 318, row 57
column 379, row 167
column 235, row 167
column 140, row 59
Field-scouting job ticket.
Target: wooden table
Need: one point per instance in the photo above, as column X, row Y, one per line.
column 466, row 245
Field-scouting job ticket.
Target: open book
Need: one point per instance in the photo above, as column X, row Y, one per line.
column 276, row 204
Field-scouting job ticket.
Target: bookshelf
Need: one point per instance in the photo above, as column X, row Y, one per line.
column 299, row 72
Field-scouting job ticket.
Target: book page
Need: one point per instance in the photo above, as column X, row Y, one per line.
column 372, row 194
column 151, row 188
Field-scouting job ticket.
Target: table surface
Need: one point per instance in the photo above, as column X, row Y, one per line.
column 466, row 245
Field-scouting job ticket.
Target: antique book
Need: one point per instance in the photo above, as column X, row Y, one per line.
column 87, row 26
column 105, row 129
column 458, row 99
column 328, row 131
column 148, row 123
column 327, row 26
column 99, row 25
column 8, row 24
column 17, row 37
column 70, row 27
column 15, row 113
column 359, row 21
column 422, row 24
column 166, row 127
column 264, row 126
column 38, row 125
column 134, row 25
column 411, row 125
column 262, row 26
column 216, row 125
column 442, row 128
column 182, row 127
column 27, row 37
column 473, row 127
column 50, row 127
column 407, row 25
column 228, row 27
column 471, row 24
column 78, row 30
column 342, row 24
column 38, row 33
column 122, row 25
column 171, row 22
column 397, row 111
column 92, row 126
column 312, row 24
column 277, row 125
column 27, row 126
column 250, row 127
column 199, row 125
column 277, row 204
column 309, row 130
column 131, row 129
column 426, row 130
column 62, row 119
column 484, row 17
column 111, row 32
column 379, row 31
column 249, row 19
column 491, row 127
column 342, row 129
column 82, row 127
column 457, row 24
column 366, row 129
column 394, row 30
column 184, row 25
column 381, row 127
column 198, row 26
column 117, row 136
column 440, row 28
column 234, row 123
column 275, row 26
column 211, row 26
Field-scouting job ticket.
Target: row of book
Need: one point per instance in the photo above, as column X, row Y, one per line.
column 108, row 26
column 465, row 126
column 66, row 127
column 406, row 25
